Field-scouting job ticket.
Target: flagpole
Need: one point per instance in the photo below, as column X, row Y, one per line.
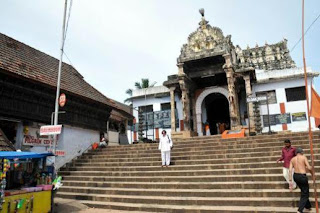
column 308, row 113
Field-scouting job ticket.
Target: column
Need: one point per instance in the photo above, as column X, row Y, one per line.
column 233, row 100
column 180, row 69
column 194, row 116
column 173, row 109
column 250, row 113
column 185, row 104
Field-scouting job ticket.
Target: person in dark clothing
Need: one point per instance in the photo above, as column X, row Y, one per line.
column 288, row 152
column 301, row 165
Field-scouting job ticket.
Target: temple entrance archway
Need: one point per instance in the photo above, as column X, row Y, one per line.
column 212, row 106
column 216, row 108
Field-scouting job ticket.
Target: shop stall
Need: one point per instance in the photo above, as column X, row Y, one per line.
column 26, row 182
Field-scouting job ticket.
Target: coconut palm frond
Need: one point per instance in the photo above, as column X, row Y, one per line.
column 128, row 100
column 137, row 85
column 153, row 84
column 129, row 92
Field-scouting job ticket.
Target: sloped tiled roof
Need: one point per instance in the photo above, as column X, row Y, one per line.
column 25, row 61
column 5, row 144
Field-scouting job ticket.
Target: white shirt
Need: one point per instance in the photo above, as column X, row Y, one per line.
column 165, row 143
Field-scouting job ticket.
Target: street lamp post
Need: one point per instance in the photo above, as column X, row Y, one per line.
column 59, row 74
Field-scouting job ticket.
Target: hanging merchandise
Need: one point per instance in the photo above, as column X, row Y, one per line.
column 25, row 182
column 4, row 167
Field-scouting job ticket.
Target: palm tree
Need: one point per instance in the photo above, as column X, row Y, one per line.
column 144, row 84
column 139, row 85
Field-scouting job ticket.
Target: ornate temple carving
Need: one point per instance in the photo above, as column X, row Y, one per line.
column 206, row 41
column 210, row 60
column 267, row 57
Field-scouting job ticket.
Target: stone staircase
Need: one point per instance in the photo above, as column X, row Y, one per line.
column 208, row 174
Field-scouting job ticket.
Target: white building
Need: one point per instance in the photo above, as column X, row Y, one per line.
column 215, row 80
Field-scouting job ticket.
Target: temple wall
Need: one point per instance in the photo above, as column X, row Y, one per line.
column 289, row 107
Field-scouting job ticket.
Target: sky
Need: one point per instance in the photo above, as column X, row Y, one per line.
column 114, row 43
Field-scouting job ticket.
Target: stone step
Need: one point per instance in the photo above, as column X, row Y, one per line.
column 264, row 135
column 258, row 137
column 266, row 164
column 200, row 144
column 216, row 140
column 187, row 192
column 201, row 201
column 208, row 174
column 208, row 150
column 187, row 160
column 223, row 184
column 193, row 177
column 270, row 166
column 193, row 159
column 270, row 145
column 223, row 174
column 186, row 208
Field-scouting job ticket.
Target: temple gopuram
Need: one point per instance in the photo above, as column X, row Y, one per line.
column 215, row 82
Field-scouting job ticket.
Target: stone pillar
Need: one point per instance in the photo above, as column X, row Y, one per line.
column 185, row 104
column 180, row 69
column 250, row 105
column 173, row 109
column 233, row 100
column 199, row 124
column 194, row 116
column 126, row 122
column 233, row 96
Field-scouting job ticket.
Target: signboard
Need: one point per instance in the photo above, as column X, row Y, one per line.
column 272, row 119
column 62, row 100
column 32, row 136
column 158, row 119
column 277, row 119
column 299, row 116
column 58, row 152
column 283, row 118
column 162, row 119
column 50, row 130
column 256, row 99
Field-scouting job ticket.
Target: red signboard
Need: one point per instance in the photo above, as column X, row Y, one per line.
column 51, row 130
column 62, row 100
column 58, row 152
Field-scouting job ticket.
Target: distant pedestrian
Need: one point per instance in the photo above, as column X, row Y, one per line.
column 300, row 165
column 288, row 152
column 103, row 143
column 207, row 128
column 165, row 145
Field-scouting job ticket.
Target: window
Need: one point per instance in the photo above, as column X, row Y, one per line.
column 165, row 106
column 148, row 108
column 296, row 94
column 272, row 98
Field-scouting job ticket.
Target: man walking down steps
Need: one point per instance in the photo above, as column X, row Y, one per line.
column 288, row 152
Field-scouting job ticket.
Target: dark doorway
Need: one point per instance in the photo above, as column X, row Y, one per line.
column 217, row 107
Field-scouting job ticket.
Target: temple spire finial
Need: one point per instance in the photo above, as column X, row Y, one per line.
column 201, row 11
column 203, row 23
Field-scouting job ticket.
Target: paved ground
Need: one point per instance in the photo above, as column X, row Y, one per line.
column 73, row 206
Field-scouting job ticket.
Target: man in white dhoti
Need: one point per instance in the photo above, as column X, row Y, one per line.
column 165, row 145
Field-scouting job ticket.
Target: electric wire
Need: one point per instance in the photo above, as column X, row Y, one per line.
column 305, row 33
column 67, row 24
